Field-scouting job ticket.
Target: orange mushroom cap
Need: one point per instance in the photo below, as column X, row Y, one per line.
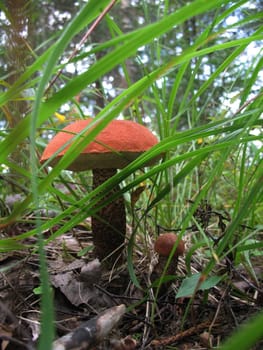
column 165, row 243
column 118, row 144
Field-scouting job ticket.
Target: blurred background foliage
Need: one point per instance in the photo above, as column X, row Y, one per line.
column 28, row 28
column 190, row 71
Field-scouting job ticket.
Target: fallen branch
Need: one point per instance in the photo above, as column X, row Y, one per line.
column 91, row 332
column 184, row 334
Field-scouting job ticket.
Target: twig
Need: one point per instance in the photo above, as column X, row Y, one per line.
column 187, row 333
column 248, row 103
column 19, row 343
column 84, row 38
column 92, row 331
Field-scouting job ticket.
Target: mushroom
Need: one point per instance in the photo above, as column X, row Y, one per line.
column 118, row 144
column 164, row 246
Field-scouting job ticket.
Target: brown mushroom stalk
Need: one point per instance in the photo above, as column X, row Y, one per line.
column 109, row 222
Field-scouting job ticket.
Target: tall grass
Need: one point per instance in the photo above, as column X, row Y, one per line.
column 197, row 159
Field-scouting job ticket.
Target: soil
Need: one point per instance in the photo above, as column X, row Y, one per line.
column 82, row 289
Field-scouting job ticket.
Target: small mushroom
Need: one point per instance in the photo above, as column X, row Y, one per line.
column 118, row 144
column 164, row 246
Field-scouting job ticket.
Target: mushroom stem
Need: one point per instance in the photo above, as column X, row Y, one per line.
column 109, row 222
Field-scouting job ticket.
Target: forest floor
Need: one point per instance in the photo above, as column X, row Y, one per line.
column 83, row 289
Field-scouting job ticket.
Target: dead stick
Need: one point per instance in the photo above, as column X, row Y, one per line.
column 93, row 26
column 92, row 331
column 188, row 332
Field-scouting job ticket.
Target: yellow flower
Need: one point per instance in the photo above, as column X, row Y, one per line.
column 60, row 117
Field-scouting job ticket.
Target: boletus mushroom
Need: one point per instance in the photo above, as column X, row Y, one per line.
column 118, row 144
column 165, row 244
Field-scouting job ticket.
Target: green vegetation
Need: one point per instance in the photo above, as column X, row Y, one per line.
column 203, row 98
